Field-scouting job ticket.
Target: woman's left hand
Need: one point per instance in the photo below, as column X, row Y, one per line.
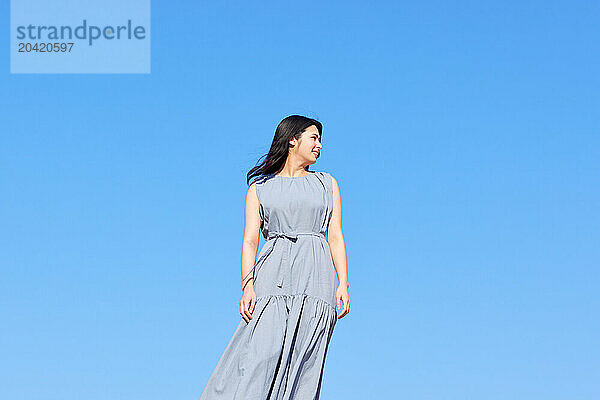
column 341, row 294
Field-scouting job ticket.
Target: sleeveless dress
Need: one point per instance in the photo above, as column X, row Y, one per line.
column 280, row 353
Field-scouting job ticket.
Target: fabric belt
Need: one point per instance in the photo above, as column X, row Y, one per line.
column 274, row 236
column 293, row 235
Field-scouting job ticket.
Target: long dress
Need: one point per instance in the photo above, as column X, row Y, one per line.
column 280, row 353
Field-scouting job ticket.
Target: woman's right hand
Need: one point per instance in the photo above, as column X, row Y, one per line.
column 247, row 303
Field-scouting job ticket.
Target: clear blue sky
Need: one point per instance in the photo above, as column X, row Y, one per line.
column 465, row 140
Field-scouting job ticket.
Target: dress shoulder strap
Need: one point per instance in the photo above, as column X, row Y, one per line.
column 259, row 185
column 325, row 179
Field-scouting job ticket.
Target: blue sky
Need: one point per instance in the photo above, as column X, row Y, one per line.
column 464, row 137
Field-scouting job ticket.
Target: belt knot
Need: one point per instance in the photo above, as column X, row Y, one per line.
column 274, row 235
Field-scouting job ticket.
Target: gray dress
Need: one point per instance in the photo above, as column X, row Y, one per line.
column 280, row 353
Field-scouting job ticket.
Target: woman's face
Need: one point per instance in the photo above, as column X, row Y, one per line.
column 309, row 146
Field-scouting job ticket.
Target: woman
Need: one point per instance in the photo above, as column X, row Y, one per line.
column 289, row 295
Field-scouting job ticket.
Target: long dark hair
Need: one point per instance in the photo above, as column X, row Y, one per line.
column 289, row 127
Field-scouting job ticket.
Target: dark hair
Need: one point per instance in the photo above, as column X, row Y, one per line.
column 289, row 127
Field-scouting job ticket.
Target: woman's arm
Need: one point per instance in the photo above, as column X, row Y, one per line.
column 335, row 238
column 249, row 249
